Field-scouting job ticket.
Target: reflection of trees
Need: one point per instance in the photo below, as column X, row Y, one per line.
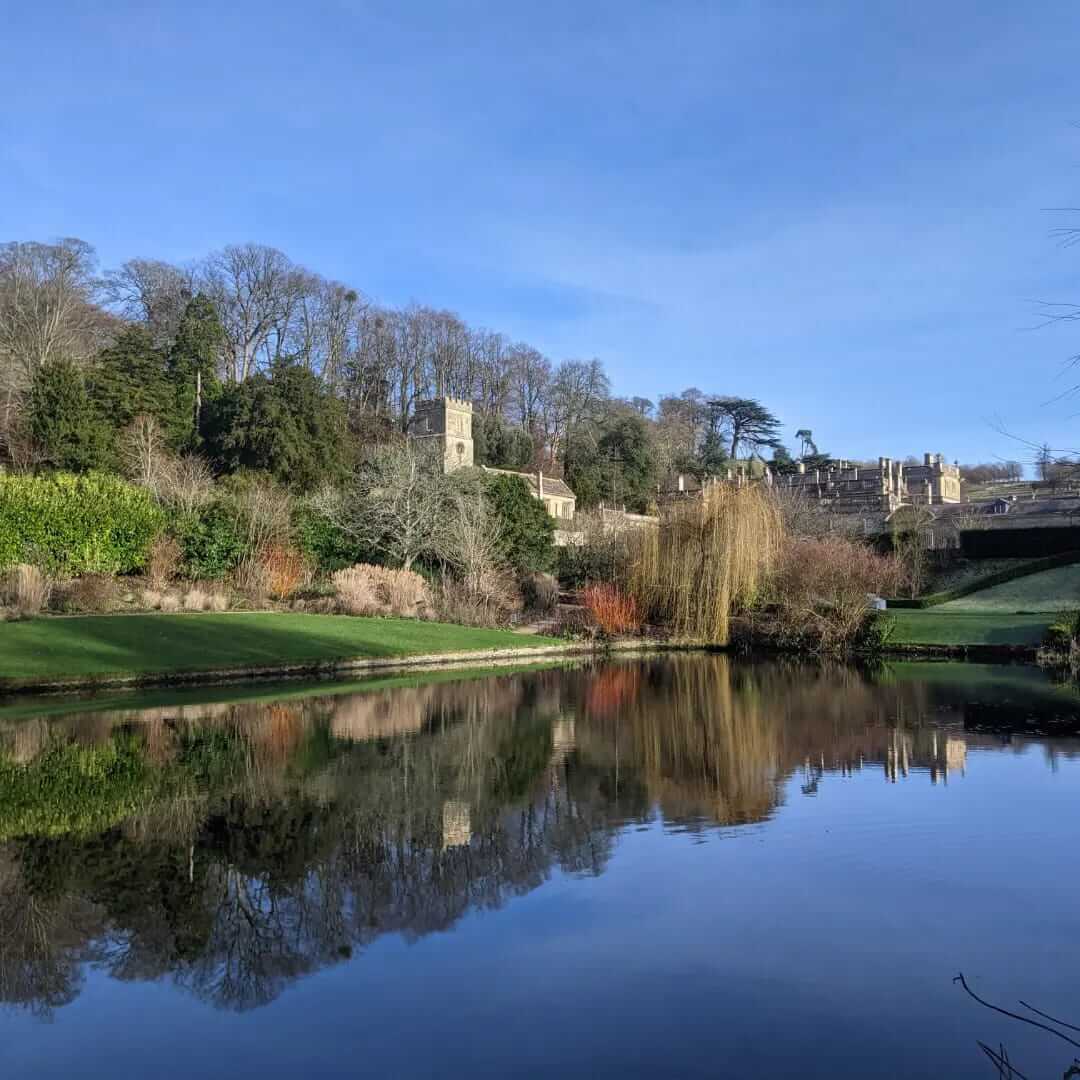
column 268, row 841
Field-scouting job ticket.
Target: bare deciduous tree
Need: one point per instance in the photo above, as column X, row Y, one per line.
column 255, row 289
column 47, row 312
column 153, row 292
column 144, row 453
column 396, row 504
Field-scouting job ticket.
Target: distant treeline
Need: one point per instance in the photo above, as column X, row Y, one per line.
column 255, row 362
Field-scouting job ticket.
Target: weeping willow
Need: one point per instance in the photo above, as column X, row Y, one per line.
column 706, row 559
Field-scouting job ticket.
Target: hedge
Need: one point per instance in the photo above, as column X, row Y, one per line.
column 1036, row 566
column 70, row 525
column 1019, row 543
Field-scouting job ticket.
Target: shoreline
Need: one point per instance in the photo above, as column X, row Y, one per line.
column 330, row 669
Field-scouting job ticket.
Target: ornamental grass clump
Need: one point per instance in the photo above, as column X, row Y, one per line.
column 25, row 590
column 377, row 590
column 705, row 559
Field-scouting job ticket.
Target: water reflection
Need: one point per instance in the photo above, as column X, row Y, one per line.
column 234, row 847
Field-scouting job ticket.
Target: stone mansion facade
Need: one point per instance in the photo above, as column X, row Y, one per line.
column 447, row 422
column 844, row 488
column 847, row 488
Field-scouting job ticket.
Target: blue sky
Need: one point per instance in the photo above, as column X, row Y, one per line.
column 839, row 208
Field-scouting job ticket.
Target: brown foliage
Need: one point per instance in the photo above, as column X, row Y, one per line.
column 91, row 594
column 491, row 602
column 540, row 593
column 163, row 560
column 821, row 589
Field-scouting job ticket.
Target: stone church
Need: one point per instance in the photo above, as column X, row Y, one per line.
column 447, row 422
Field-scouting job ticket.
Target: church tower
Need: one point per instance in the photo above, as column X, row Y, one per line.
column 448, row 423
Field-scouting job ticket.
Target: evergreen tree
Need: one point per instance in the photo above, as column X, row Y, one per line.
column 66, row 427
column 612, row 462
column 193, row 367
column 499, row 444
column 287, row 424
column 130, row 379
column 527, row 529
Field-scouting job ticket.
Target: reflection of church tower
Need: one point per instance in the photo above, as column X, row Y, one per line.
column 446, row 423
column 456, row 824
column 563, row 740
column 956, row 755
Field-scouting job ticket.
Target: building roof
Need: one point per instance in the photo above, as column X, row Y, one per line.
column 552, row 486
column 1029, row 513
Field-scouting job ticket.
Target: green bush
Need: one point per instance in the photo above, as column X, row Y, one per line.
column 211, row 541
column 70, row 525
column 326, row 544
column 528, row 532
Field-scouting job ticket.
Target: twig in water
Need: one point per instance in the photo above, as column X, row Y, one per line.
column 1015, row 1016
column 1005, row 1067
column 1047, row 1016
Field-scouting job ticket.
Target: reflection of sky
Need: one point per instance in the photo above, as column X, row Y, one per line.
column 821, row 943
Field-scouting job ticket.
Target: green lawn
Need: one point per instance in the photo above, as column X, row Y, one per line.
column 99, row 645
column 1049, row 590
column 937, row 626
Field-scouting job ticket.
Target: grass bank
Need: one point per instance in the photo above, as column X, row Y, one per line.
column 99, row 649
column 937, row 627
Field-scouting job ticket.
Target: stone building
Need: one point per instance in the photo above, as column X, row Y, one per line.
column 847, row 488
column 447, row 422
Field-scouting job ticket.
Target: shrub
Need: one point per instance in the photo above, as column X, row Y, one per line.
column 252, row 579
column 211, row 541
column 376, row 590
column 286, row 570
column 151, row 598
column 325, row 543
column 218, row 601
column 526, row 529
column 92, row 594
column 595, row 555
column 73, row 525
column 456, row 603
column 163, row 560
column 821, row 588
column 612, row 611
column 170, row 602
column 25, row 590
column 540, row 593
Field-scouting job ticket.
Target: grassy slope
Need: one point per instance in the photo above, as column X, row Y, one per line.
column 936, row 626
column 1050, row 590
column 142, row 644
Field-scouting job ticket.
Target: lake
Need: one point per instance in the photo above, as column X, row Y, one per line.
column 676, row 866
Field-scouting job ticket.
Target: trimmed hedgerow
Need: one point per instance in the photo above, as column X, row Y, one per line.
column 93, row 523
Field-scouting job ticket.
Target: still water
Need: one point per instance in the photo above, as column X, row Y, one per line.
column 673, row 867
